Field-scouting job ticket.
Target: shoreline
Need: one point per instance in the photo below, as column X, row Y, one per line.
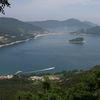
column 21, row 41
column 16, row 42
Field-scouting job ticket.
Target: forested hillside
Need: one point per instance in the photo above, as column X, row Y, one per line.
column 12, row 26
column 12, row 30
column 72, row 85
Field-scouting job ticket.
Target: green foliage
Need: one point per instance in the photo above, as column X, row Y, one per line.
column 46, row 84
column 3, row 3
column 78, row 86
column 24, row 96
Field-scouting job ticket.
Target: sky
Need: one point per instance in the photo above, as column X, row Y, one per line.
column 36, row 10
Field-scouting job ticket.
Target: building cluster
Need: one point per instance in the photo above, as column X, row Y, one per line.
column 3, row 40
column 41, row 78
column 5, row 77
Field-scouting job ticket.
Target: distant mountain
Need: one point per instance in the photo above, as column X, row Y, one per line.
column 63, row 26
column 90, row 23
column 94, row 30
column 11, row 26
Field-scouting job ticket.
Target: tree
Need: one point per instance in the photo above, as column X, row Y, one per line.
column 3, row 3
column 46, row 85
column 24, row 96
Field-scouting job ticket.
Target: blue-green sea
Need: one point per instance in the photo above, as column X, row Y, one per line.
column 50, row 51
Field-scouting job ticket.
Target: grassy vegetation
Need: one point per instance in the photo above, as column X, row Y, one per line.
column 72, row 85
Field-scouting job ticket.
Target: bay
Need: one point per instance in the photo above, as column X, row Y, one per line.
column 50, row 51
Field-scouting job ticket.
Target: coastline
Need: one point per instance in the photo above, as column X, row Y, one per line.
column 40, row 35
column 21, row 41
column 16, row 42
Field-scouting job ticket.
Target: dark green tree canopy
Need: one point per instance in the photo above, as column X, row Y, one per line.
column 3, row 3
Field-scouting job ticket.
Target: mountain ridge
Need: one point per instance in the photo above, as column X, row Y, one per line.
column 63, row 26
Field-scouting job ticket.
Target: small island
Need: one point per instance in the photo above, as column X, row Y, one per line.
column 78, row 40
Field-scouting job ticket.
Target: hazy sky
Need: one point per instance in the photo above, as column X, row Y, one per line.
column 33, row 10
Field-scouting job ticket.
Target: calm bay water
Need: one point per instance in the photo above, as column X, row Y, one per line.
column 50, row 51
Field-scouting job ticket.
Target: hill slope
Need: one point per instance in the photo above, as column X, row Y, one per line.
column 72, row 85
column 13, row 26
column 12, row 30
column 95, row 30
